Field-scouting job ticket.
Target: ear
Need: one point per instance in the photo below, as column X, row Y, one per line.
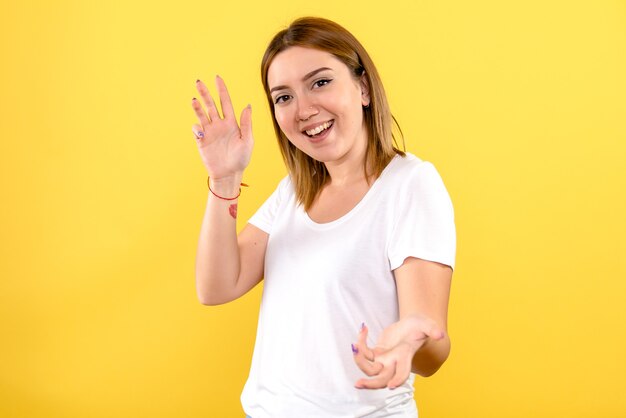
column 365, row 91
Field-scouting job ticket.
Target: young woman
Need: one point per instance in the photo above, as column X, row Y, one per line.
column 356, row 245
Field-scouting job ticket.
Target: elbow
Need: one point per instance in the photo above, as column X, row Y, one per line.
column 210, row 298
column 211, row 301
column 430, row 361
column 212, row 290
column 203, row 297
column 205, row 300
column 205, row 292
column 429, row 372
column 206, row 296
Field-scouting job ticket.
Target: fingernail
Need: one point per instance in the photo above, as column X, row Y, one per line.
column 200, row 134
column 362, row 326
column 194, row 99
column 197, row 81
column 355, row 350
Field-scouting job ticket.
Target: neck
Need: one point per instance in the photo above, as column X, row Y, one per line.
column 348, row 170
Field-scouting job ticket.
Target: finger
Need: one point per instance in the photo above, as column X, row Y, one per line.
column 401, row 375
column 246, row 122
column 368, row 367
column 379, row 381
column 227, row 106
column 197, row 107
column 424, row 328
column 377, row 351
column 434, row 332
column 208, row 101
column 403, row 369
column 198, row 132
column 369, row 355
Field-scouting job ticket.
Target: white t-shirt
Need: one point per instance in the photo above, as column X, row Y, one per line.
column 323, row 280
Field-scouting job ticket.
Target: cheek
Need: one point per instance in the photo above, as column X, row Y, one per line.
column 352, row 113
column 281, row 119
column 285, row 124
column 349, row 103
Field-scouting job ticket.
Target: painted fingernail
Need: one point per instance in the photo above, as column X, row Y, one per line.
column 197, row 81
column 200, row 135
column 362, row 326
column 355, row 350
column 194, row 99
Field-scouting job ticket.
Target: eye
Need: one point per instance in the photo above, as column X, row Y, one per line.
column 321, row 82
column 281, row 99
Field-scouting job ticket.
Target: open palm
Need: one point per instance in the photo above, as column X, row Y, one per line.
column 224, row 146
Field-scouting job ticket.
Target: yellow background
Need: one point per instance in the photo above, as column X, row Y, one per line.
column 520, row 105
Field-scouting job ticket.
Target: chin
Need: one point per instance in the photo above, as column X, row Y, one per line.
column 323, row 156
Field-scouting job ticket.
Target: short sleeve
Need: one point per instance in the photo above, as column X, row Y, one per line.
column 424, row 225
column 264, row 217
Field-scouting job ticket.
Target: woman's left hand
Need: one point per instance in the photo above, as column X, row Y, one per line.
column 389, row 363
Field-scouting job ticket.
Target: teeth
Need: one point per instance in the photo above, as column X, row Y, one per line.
column 319, row 129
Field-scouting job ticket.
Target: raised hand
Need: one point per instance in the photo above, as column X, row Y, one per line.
column 389, row 362
column 225, row 147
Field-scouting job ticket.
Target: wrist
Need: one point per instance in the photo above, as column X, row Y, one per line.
column 226, row 188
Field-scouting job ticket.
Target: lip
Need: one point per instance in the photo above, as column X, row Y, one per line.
column 322, row 136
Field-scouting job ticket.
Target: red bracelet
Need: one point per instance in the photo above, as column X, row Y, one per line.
column 221, row 197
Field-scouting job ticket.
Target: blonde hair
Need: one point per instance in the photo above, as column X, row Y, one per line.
column 309, row 175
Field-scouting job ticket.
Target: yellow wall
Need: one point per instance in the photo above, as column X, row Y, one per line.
column 520, row 105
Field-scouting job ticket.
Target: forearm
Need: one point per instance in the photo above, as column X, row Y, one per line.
column 217, row 257
column 429, row 358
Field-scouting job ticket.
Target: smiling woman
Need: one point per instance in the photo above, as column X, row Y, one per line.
column 311, row 38
column 356, row 246
column 320, row 113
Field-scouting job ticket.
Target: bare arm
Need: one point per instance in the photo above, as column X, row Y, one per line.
column 418, row 342
column 227, row 266
column 424, row 290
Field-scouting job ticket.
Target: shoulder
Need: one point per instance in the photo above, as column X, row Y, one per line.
column 411, row 171
column 415, row 183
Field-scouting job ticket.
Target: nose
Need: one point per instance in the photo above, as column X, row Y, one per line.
column 306, row 109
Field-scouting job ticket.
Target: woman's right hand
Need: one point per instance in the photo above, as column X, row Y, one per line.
column 225, row 147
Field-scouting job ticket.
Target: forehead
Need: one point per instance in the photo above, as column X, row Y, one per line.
column 290, row 65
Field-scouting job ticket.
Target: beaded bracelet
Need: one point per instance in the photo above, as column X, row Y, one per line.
column 221, row 197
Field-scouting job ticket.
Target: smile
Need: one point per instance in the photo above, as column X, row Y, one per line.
column 319, row 129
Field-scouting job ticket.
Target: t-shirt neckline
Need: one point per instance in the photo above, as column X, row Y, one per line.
column 372, row 190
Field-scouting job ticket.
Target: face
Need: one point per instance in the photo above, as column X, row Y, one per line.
column 318, row 103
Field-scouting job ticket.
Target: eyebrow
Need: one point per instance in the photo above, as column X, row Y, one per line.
column 306, row 77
